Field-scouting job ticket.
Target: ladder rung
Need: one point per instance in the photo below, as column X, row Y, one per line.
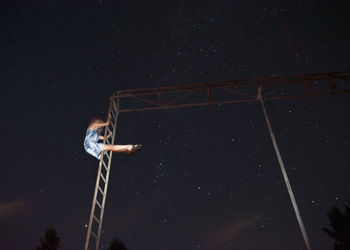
column 115, row 107
column 103, row 178
column 112, row 114
column 104, row 164
column 115, row 119
column 99, row 188
column 112, row 125
column 93, row 234
column 97, row 220
column 98, row 204
column 108, row 155
column 108, row 130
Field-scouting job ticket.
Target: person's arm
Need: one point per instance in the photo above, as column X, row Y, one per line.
column 99, row 124
column 110, row 134
column 102, row 137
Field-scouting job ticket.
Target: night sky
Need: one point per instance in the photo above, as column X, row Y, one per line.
column 206, row 178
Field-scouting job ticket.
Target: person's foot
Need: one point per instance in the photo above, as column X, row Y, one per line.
column 135, row 147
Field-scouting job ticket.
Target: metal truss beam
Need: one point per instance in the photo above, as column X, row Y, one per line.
column 237, row 91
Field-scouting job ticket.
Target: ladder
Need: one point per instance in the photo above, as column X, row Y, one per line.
column 98, row 203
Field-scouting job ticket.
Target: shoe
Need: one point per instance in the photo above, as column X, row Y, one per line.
column 135, row 147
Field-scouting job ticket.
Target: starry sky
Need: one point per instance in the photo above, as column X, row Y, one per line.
column 206, row 178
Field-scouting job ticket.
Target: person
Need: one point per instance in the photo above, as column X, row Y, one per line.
column 94, row 148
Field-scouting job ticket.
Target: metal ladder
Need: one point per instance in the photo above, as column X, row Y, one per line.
column 98, row 203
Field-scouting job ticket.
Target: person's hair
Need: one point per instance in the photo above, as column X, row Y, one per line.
column 95, row 119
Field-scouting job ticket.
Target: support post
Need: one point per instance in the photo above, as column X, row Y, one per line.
column 284, row 172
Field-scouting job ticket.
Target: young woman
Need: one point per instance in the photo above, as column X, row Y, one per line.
column 94, row 148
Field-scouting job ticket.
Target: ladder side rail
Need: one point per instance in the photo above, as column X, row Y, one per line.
column 111, row 109
column 93, row 206
column 95, row 201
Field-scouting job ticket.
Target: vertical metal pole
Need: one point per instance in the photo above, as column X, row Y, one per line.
column 284, row 172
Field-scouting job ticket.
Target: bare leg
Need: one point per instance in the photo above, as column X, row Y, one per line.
column 117, row 148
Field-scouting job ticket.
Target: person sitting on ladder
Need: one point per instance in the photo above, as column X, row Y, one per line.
column 94, row 148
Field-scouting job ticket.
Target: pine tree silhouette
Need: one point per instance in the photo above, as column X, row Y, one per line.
column 50, row 241
column 340, row 223
column 117, row 245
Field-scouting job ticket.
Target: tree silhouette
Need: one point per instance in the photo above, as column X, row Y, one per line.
column 117, row 245
column 50, row 241
column 340, row 223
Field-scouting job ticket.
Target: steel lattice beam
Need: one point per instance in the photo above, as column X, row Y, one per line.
column 201, row 94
